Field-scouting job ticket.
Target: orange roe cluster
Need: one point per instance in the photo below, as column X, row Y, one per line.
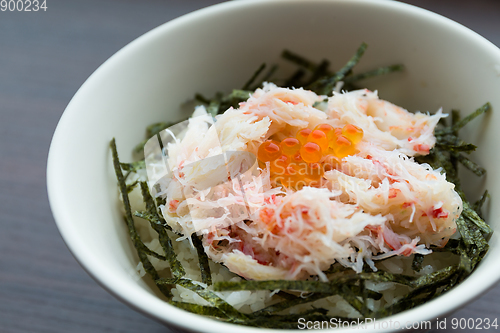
column 302, row 160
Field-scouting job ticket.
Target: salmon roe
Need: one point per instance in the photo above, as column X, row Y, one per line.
column 269, row 151
column 290, row 146
column 301, row 160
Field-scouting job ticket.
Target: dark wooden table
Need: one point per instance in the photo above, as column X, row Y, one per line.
column 44, row 58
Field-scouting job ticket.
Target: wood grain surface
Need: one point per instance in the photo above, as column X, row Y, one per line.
column 44, row 58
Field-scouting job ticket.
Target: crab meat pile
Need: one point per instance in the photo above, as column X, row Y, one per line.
column 370, row 205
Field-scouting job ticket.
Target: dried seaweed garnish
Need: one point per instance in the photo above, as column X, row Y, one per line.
column 283, row 305
column 214, row 105
column 166, row 243
column 472, row 166
column 332, row 287
column 200, row 309
column 425, row 288
column 207, row 295
column 151, row 130
column 373, row 73
column 248, row 85
column 352, row 298
column 299, row 60
column 478, row 205
column 206, row 276
column 325, row 86
column 134, row 236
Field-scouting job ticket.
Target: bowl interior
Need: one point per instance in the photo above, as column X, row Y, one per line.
column 218, row 49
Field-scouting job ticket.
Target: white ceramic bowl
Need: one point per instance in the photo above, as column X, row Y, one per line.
column 218, row 48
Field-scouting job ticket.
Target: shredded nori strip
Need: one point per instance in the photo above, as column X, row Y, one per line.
column 207, row 295
column 134, row 236
column 478, row 205
column 206, row 276
column 283, row 305
column 325, row 86
column 151, row 131
column 373, row 73
column 200, row 309
column 166, row 243
column 248, row 84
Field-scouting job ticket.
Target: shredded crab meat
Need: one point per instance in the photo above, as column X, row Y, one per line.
column 372, row 205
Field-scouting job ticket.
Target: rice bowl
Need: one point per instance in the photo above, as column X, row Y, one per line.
column 123, row 265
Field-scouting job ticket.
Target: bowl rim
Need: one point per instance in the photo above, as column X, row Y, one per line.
column 151, row 305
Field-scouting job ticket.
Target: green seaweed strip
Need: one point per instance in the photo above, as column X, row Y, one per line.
column 404, row 304
column 242, row 95
column 450, row 139
column 474, row 217
column 464, row 231
column 200, row 309
column 134, row 236
column 283, row 305
column 200, row 98
column 267, row 76
column 134, row 166
column 433, row 278
column 151, row 131
column 426, row 289
column 461, row 123
column 310, row 286
column 299, row 60
column 374, row 73
column 206, row 276
column 130, row 187
column 467, row 147
column 250, row 81
column 325, row 86
column 478, row 205
column 330, row 288
column 287, row 321
column 321, row 71
column 152, row 218
column 382, row 276
column 207, row 295
column 166, row 243
column 296, row 79
column 472, row 166
column 455, row 118
column 214, row 106
column 350, row 297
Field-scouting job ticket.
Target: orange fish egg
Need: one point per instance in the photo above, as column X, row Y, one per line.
column 343, row 147
column 279, row 165
column 269, row 151
column 303, row 134
column 290, row 146
column 311, row 152
column 353, row 133
column 327, row 129
column 319, row 137
column 336, row 133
